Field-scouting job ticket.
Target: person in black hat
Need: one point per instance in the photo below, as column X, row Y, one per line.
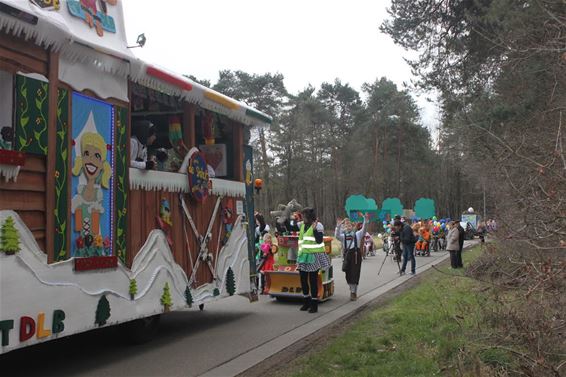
column 143, row 135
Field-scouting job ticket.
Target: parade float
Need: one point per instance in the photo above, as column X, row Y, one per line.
column 284, row 281
column 87, row 241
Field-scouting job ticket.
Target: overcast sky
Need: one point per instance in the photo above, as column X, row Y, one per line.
column 308, row 41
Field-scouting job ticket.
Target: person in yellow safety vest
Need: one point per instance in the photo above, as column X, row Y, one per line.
column 311, row 258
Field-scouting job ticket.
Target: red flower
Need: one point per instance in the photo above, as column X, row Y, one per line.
column 106, row 243
column 109, row 147
column 80, row 242
column 73, row 142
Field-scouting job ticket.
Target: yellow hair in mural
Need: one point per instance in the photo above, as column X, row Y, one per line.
column 95, row 140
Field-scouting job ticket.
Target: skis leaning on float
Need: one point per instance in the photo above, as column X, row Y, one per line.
column 203, row 254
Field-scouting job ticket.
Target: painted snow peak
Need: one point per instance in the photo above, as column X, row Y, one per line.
column 91, row 204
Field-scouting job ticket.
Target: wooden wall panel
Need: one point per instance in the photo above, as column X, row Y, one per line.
column 27, row 196
column 143, row 210
column 17, row 54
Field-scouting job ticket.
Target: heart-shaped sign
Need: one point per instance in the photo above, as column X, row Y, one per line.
column 214, row 158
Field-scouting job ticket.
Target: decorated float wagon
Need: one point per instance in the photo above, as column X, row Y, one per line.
column 86, row 240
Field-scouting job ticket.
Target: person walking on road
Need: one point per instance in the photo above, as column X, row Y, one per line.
column 351, row 252
column 462, row 236
column 311, row 258
column 453, row 243
column 408, row 241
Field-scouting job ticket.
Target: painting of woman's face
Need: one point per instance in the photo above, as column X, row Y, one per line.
column 92, row 161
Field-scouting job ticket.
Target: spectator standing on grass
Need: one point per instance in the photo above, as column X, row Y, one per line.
column 351, row 252
column 453, row 243
column 462, row 236
column 408, row 241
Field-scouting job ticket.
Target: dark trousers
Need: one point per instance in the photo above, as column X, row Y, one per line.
column 354, row 266
column 408, row 253
column 309, row 278
column 459, row 263
column 453, row 258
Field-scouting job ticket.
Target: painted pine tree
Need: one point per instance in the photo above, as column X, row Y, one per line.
column 230, row 282
column 166, row 300
column 102, row 311
column 188, row 296
column 10, row 239
column 133, row 288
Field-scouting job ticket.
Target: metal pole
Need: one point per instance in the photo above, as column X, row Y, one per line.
column 484, row 212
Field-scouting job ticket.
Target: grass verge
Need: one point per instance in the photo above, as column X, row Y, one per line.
column 421, row 333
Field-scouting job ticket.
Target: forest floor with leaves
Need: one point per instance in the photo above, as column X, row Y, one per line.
column 431, row 328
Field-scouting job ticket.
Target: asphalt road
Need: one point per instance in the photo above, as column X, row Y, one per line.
column 189, row 343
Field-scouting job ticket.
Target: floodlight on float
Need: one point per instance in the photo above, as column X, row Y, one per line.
column 140, row 41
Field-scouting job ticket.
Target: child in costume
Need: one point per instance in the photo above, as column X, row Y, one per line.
column 268, row 251
column 351, row 239
column 423, row 242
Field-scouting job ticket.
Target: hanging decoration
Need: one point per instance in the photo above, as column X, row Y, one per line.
column 197, row 172
column 208, row 127
column 180, row 150
column 258, row 184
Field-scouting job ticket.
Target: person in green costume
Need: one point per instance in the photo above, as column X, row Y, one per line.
column 311, row 258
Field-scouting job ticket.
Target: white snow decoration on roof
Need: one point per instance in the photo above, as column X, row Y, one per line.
column 109, row 53
column 58, row 27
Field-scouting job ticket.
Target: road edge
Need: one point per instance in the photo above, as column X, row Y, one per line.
column 312, row 330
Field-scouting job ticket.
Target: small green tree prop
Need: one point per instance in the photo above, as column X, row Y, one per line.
column 10, row 239
column 188, row 296
column 230, row 282
column 166, row 298
column 102, row 311
column 215, row 292
column 133, row 288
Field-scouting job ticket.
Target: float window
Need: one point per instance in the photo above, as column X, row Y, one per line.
column 6, row 110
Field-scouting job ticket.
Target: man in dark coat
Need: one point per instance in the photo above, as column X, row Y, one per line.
column 462, row 233
column 408, row 241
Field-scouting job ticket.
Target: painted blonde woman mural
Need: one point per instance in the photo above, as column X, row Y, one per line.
column 88, row 203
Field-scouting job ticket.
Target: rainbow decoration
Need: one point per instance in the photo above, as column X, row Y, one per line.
column 221, row 100
column 258, row 115
column 169, row 78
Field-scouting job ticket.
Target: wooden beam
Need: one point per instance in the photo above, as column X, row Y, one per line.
column 53, row 76
column 20, row 60
column 189, row 113
column 238, row 135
